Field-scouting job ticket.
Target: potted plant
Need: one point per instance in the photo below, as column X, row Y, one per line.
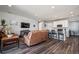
column 2, row 22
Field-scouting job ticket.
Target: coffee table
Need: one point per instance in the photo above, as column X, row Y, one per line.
column 8, row 39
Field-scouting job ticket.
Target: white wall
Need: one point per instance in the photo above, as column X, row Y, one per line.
column 49, row 25
column 64, row 23
column 41, row 25
column 14, row 22
column 74, row 25
column 45, row 25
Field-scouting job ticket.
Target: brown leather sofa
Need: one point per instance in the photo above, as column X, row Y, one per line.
column 35, row 37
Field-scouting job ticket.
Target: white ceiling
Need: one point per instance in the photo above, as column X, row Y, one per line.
column 44, row 12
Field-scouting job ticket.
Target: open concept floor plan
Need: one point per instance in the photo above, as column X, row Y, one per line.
column 39, row 29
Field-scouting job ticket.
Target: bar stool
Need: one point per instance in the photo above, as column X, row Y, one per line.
column 54, row 34
column 60, row 34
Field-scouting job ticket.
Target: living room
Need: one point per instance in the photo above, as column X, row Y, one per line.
column 39, row 29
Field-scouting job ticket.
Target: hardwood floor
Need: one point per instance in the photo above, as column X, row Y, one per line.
column 52, row 46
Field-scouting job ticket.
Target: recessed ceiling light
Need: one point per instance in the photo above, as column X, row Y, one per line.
column 71, row 12
column 53, row 7
column 9, row 5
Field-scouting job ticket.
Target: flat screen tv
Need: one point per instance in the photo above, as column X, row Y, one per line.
column 25, row 25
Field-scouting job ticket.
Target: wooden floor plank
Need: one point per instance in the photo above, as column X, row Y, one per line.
column 51, row 46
